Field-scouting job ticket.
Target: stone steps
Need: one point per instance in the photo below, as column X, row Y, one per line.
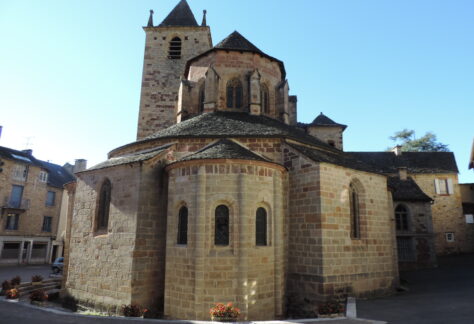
column 47, row 285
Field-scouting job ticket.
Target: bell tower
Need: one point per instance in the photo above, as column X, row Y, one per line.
column 168, row 47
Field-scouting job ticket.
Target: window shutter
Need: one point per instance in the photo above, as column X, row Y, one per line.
column 450, row 186
column 436, row 183
column 16, row 221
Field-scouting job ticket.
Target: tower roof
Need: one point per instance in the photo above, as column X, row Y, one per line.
column 236, row 41
column 323, row 120
column 181, row 15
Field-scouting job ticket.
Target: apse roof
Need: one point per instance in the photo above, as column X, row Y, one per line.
column 181, row 15
column 223, row 149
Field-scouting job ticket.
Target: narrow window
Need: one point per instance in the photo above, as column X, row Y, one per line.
column 20, row 172
column 355, row 216
column 104, row 206
column 264, row 99
column 16, row 196
column 12, row 222
column 174, row 52
column 261, row 227
column 47, row 221
column 221, row 236
column 201, row 99
column 50, row 198
column 401, row 218
column 43, row 176
column 183, row 225
column 332, row 143
column 449, row 237
column 234, row 94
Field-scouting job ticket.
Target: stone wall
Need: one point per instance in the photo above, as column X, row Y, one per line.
column 200, row 273
column 328, row 135
column 324, row 261
column 161, row 75
column 447, row 215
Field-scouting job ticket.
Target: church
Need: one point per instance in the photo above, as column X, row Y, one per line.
column 226, row 197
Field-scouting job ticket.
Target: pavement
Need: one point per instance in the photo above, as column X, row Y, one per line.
column 24, row 271
column 441, row 295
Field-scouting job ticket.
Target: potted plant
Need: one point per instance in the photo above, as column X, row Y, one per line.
column 15, row 281
column 6, row 285
column 12, row 295
column 331, row 308
column 36, row 280
column 224, row 312
column 38, row 297
column 132, row 310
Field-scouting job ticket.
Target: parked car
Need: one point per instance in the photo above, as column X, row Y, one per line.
column 57, row 265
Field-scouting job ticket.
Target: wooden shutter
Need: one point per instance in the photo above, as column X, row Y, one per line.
column 436, row 184
column 450, row 186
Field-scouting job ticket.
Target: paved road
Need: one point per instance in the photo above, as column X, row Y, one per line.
column 25, row 272
column 442, row 295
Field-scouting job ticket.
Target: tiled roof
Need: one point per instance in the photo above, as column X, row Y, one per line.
column 181, row 15
column 334, row 157
column 222, row 124
column 323, row 120
column 130, row 158
column 223, row 149
column 406, row 190
column 236, row 41
column 415, row 162
column 57, row 175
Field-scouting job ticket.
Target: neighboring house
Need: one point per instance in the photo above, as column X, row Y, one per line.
column 31, row 192
column 226, row 197
column 471, row 160
column 467, row 197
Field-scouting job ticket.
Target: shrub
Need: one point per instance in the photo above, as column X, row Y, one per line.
column 69, row 302
column 132, row 310
column 15, row 281
column 330, row 307
column 6, row 285
column 36, row 278
column 38, row 295
column 12, row 294
column 221, row 310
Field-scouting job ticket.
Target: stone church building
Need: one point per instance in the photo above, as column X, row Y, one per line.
column 225, row 197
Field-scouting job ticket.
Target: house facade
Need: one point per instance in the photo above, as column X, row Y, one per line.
column 31, row 193
column 224, row 196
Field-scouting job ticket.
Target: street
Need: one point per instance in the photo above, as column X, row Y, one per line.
column 24, row 271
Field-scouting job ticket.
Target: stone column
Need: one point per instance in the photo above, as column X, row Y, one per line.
column 20, row 253
column 28, row 252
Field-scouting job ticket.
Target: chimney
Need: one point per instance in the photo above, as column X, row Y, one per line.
column 402, row 173
column 28, row 151
column 397, row 150
column 79, row 165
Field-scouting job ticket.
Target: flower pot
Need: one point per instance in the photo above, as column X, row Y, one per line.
column 224, row 319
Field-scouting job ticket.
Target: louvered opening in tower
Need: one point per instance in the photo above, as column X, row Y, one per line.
column 174, row 52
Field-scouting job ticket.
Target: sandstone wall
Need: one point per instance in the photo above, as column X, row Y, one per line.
column 327, row 135
column 200, row 273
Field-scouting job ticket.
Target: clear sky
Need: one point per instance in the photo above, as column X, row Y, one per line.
column 70, row 71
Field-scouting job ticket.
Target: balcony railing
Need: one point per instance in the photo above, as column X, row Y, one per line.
column 18, row 204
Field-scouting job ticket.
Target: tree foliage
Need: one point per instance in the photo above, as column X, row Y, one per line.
column 409, row 143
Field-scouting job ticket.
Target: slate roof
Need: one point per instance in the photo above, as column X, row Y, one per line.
column 181, row 15
column 57, row 175
column 224, row 149
column 415, row 162
column 220, row 124
column 236, row 42
column 334, row 157
column 406, row 190
column 323, row 120
column 130, row 158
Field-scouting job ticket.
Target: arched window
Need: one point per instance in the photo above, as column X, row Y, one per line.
column 234, row 94
column 401, row 218
column 183, row 225
column 355, row 211
column 202, row 98
column 265, row 99
column 261, row 226
column 221, row 236
column 174, row 52
column 104, row 206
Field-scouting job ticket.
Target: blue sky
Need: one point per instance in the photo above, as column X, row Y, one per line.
column 70, row 71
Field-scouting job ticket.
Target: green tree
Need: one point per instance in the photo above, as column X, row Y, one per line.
column 409, row 143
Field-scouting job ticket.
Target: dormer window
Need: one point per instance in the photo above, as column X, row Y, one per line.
column 234, row 94
column 174, row 52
